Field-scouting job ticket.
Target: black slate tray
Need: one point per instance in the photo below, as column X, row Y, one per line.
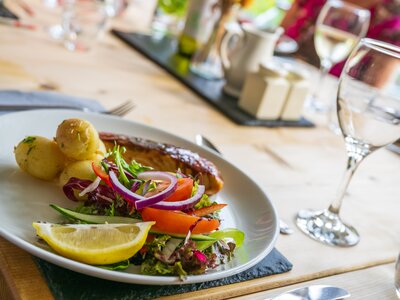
column 66, row 284
column 163, row 53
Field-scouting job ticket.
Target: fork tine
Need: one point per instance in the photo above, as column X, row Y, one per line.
column 126, row 109
column 122, row 109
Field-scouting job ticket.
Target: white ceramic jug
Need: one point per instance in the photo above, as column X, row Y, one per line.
column 254, row 47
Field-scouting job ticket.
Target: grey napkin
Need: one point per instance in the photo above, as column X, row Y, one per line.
column 12, row 100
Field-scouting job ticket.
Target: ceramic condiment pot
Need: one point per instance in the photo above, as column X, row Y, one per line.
column 254, row 46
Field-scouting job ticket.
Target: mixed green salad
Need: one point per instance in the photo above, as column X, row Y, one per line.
column 186, row 238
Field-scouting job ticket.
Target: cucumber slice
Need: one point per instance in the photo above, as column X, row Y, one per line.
column 94, row 219
column 195, row 237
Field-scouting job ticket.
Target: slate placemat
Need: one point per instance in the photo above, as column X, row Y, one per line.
column 163, row 53
column 70, row 285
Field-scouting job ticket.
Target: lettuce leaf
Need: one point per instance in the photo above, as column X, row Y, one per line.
column 152, row 266
column 122, row 265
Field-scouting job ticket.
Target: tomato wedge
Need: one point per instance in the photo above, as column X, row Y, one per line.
column 99, row 171
column 207, row 210
column 177, row 222
column 183, row 190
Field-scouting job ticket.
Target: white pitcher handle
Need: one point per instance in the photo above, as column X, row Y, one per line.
column 230, row 32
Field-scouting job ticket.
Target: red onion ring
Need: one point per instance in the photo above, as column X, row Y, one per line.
column 184, row 204
column 91, row 187
column 140, row 201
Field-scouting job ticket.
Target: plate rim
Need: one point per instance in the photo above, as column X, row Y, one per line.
column 131, row 277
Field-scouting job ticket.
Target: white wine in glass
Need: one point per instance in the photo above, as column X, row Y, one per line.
column 368, row 109
column 333, row 44
column 338, row 29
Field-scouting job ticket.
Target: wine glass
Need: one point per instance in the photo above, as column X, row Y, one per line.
column 368, row 109
column 339, row 27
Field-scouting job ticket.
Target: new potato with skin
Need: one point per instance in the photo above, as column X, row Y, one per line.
column 40, row 157
column 81, row 169
column 77, row 139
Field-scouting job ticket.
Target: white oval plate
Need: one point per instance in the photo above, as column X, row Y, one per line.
column 24, row 199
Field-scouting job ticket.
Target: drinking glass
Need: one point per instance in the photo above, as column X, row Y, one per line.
column 368, row 109
column 339, row 27
column 109, row 8
column 82, row 23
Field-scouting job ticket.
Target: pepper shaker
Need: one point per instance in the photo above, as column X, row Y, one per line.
column 298, row 92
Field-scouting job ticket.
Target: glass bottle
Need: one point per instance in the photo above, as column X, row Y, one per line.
column 207, row 61
column 199, row 23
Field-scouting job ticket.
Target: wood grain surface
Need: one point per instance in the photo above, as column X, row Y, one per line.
column 20, row 278
column 367, row 284
column 314, row 159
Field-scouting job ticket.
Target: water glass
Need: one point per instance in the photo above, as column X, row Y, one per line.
column 83, row 21
column 368, row 110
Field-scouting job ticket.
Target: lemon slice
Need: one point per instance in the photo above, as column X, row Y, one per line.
column 99, row 244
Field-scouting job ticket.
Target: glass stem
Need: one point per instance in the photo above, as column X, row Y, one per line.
column 324, row 68
column 353, row 161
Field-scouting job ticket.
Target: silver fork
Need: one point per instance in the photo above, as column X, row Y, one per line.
column 121, row 110
column 204, row 142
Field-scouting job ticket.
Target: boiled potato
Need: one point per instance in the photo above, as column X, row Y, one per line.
column 100, row 153
column 81, row 169
column 39, row 157
column 77, row 139
column 102, row 148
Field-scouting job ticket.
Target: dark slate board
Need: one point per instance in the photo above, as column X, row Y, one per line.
column 69, row 285
column 163, row 53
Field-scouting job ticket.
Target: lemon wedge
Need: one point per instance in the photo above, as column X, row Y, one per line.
column 99, row 244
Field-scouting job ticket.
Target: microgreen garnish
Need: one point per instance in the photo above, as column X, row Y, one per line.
column 29, row 140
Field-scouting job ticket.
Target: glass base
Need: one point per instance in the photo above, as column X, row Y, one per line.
column 326, row 227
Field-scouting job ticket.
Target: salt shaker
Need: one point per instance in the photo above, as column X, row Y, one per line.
column 264, row 92
column 298, row 92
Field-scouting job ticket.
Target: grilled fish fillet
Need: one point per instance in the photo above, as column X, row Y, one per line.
column 164, row 157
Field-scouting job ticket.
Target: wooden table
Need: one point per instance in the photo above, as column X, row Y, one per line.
column 314, row 161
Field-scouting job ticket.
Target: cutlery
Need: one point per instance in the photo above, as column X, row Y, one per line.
column 120, row 110
column 204, row 142
column 314, row 292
